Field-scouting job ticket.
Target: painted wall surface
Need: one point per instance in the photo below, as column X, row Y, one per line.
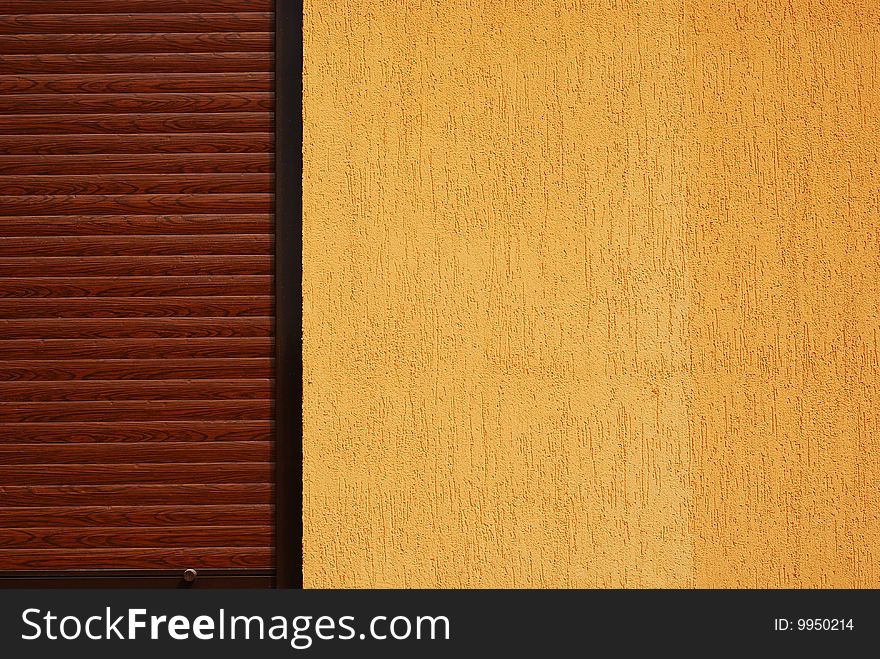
column 592, row 293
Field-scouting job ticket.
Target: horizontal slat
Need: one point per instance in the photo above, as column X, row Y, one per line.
column 133, row 225
column 120, row 537
column 152, row 266
column 153, row 42
column 241, row 244
column 128, row 22
column 253, row 163
column 136, row 350
column 152, row 410
column 140, row 83
column 134, row 516
column 142, row 495
column 151, row 204
column 136, row 184
column 141, row 558
column 227, row 62
column 253, row 142
column 122, row 103
column 135, row 390
column 136, row 308
column 104, row 453
column 125, row 123
column 47, row 287
column 135, row 6
column 144, row 328
column 233, row 348
column 212, row 433
column 112, row 474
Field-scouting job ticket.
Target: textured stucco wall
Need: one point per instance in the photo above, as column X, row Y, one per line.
column 591, row 293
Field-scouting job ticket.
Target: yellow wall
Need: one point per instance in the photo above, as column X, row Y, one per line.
column 592, row 293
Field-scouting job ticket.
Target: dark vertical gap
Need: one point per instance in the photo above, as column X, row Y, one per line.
column 288, row 294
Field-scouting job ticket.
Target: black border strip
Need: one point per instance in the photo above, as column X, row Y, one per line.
column 288, row 294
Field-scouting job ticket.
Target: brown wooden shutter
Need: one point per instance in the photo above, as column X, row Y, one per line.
column 136, row 297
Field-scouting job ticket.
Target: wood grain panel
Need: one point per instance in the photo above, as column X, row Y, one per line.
column 153, row 410
column 144, row 328
column 240, row 244
column 136, row 369
column 115, row 537
column 154, row 42
column 208, row 307
column 136, row 390
column 110, row 474
column 137, row 6
column 44, row 287
column 115, row 225
column 136, row 285
column 42, row 496
column 142, row 83
column 252, row 142
column 123, row 124
column 134, row 516
column 250, row 21
column 43, row 104
column 129, row 453
column 149, row 204
column 146, row 164
column 141, row 558
column 230, row 62
column 104, row 184
column 32, row 349
column 211, row 432
column 152, row 266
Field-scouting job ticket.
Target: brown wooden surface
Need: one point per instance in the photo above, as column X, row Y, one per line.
column 109, row 474
column 133, row 122
column 135, row 369
column 134, row 516
column 227, row 62
column 31, row 349
column 147, row 83
column 128, row 453
column 152, row 163
column 111, row 225
column 138, row 495
column 120, row 537
column 156, row 42
column 64, row 23
column 135, row 6
column 146, row 328
column 211, row 432
column 241, row 244
column 137, row 266
column 80, row 307
column 135, row 390
column 140, row 558
column 251, row 142
column 164, row 102
column 98, row 184
column 141, row 410
column 109, row 537
column 133, row 286
column 147, row 204
column 136, row 285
